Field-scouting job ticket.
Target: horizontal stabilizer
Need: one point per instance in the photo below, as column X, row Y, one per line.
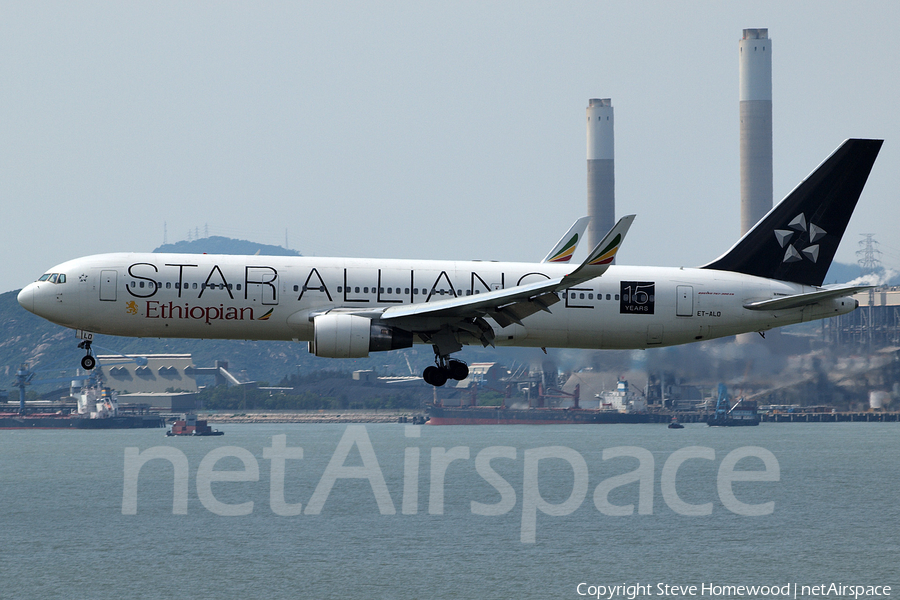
column 800, row 300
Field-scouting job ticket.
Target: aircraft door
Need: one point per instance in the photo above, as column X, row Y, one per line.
column 684, row 301
column 108, row 285
column 261, row 285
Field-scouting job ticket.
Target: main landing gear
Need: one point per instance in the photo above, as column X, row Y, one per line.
column 88, row 361
column 445, row 369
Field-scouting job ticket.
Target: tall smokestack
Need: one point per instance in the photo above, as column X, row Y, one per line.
column 756, row 126
column 601, row 176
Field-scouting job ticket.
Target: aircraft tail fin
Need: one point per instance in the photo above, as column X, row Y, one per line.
column 797, row 239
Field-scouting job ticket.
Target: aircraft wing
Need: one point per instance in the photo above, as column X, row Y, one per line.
column 800, row 300
column 567, row 244
column 511, row 305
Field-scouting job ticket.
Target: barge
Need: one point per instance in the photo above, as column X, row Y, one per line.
column 744, row 412
column 191, row 425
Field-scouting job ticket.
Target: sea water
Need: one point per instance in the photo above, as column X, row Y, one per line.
column 398, row 511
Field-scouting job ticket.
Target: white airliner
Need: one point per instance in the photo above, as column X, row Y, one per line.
column 349, row 307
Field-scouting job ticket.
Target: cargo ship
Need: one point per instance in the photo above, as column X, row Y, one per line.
column 497, row 415
column 97, row 408
column 617, row 406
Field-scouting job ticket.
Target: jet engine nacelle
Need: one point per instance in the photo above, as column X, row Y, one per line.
column 339, row 335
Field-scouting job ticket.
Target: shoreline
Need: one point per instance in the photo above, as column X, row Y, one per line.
column 318, row 416
column 408, row 416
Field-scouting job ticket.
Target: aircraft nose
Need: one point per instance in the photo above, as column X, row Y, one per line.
column 26, row 297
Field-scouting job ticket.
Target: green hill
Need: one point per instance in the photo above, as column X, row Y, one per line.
column 222, row 245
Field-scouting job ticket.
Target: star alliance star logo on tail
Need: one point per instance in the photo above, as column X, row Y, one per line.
column 806, row 236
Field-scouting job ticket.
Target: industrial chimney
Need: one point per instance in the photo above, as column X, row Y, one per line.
column 601, row 177
column 756, row 126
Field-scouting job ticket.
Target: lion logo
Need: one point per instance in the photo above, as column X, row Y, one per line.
column 131, row 307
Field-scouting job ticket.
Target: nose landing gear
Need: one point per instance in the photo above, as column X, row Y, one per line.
column 88, row 361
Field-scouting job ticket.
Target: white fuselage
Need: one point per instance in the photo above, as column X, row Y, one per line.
column 275, row 298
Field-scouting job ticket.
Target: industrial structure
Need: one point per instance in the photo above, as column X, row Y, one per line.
column 601, row 175
column 163, row 381
column 874, row 325
column 755, row 95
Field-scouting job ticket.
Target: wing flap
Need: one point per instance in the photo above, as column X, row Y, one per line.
column 514, row 313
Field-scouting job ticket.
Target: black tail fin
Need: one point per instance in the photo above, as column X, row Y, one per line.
column 797, row 239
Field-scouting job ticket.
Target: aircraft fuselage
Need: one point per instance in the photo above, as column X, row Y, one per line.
column 276, row 298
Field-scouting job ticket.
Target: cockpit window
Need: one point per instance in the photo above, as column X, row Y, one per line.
column 53, row 277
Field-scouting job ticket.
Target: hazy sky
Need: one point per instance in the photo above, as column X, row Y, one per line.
column 432, row 130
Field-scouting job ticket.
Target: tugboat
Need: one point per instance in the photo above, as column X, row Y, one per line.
column 191, row 425
column 674, row 424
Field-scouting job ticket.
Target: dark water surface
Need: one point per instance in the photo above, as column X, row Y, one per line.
column 66, row 534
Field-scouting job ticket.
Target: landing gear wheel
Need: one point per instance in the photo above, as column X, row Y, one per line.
column 88, row 362
column 435, row 376
column 457, row 370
